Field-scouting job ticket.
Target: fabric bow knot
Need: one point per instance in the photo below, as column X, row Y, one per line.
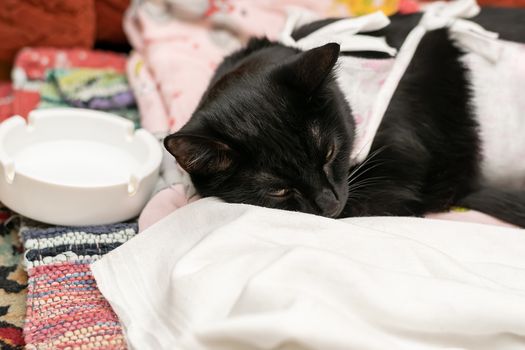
column 468, row 35
column 345, row 32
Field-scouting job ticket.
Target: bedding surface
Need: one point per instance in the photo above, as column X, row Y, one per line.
column 226, row 276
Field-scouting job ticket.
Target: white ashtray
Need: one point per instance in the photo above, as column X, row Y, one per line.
column 70, row 166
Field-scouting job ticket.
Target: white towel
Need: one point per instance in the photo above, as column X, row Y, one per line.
column 224, row 276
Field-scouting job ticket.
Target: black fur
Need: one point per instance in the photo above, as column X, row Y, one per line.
column 427, row 142
column 273, row 129
column 505, row 204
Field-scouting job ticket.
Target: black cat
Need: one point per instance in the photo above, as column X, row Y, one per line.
column 273, row 129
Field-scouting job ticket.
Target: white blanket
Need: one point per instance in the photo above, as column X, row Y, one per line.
column 226, row 277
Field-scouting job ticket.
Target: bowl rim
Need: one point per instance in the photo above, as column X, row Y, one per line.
column 36, row 117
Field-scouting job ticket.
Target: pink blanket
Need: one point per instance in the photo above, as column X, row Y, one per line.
column 175, row 58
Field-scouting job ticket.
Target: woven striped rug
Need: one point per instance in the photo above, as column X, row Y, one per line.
column 65, row 310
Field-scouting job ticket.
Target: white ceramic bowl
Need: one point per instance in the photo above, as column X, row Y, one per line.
column 70, row 166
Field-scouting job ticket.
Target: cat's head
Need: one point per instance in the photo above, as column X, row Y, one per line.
column 274, row 130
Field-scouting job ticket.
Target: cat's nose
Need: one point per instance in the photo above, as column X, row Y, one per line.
column 328, row 203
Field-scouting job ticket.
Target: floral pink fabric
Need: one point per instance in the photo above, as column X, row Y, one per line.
column 180, row 56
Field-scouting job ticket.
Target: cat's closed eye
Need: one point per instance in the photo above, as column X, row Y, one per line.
column 330, row 153
column 280, row 193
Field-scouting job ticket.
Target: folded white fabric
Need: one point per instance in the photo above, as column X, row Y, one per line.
column 223, row 276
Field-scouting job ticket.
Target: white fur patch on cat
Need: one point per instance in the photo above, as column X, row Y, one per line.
column 499, row 102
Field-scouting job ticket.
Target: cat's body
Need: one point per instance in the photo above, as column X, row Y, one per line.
column 274, row 129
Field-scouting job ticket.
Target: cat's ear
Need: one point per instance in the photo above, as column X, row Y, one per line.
column 308, row 69
column 200, row 155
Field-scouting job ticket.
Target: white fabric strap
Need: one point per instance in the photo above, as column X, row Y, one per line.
column 473, row 38
column 468, row 35
column 344, row 32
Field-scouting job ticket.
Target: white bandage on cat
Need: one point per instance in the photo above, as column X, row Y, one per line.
column 370, row 107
